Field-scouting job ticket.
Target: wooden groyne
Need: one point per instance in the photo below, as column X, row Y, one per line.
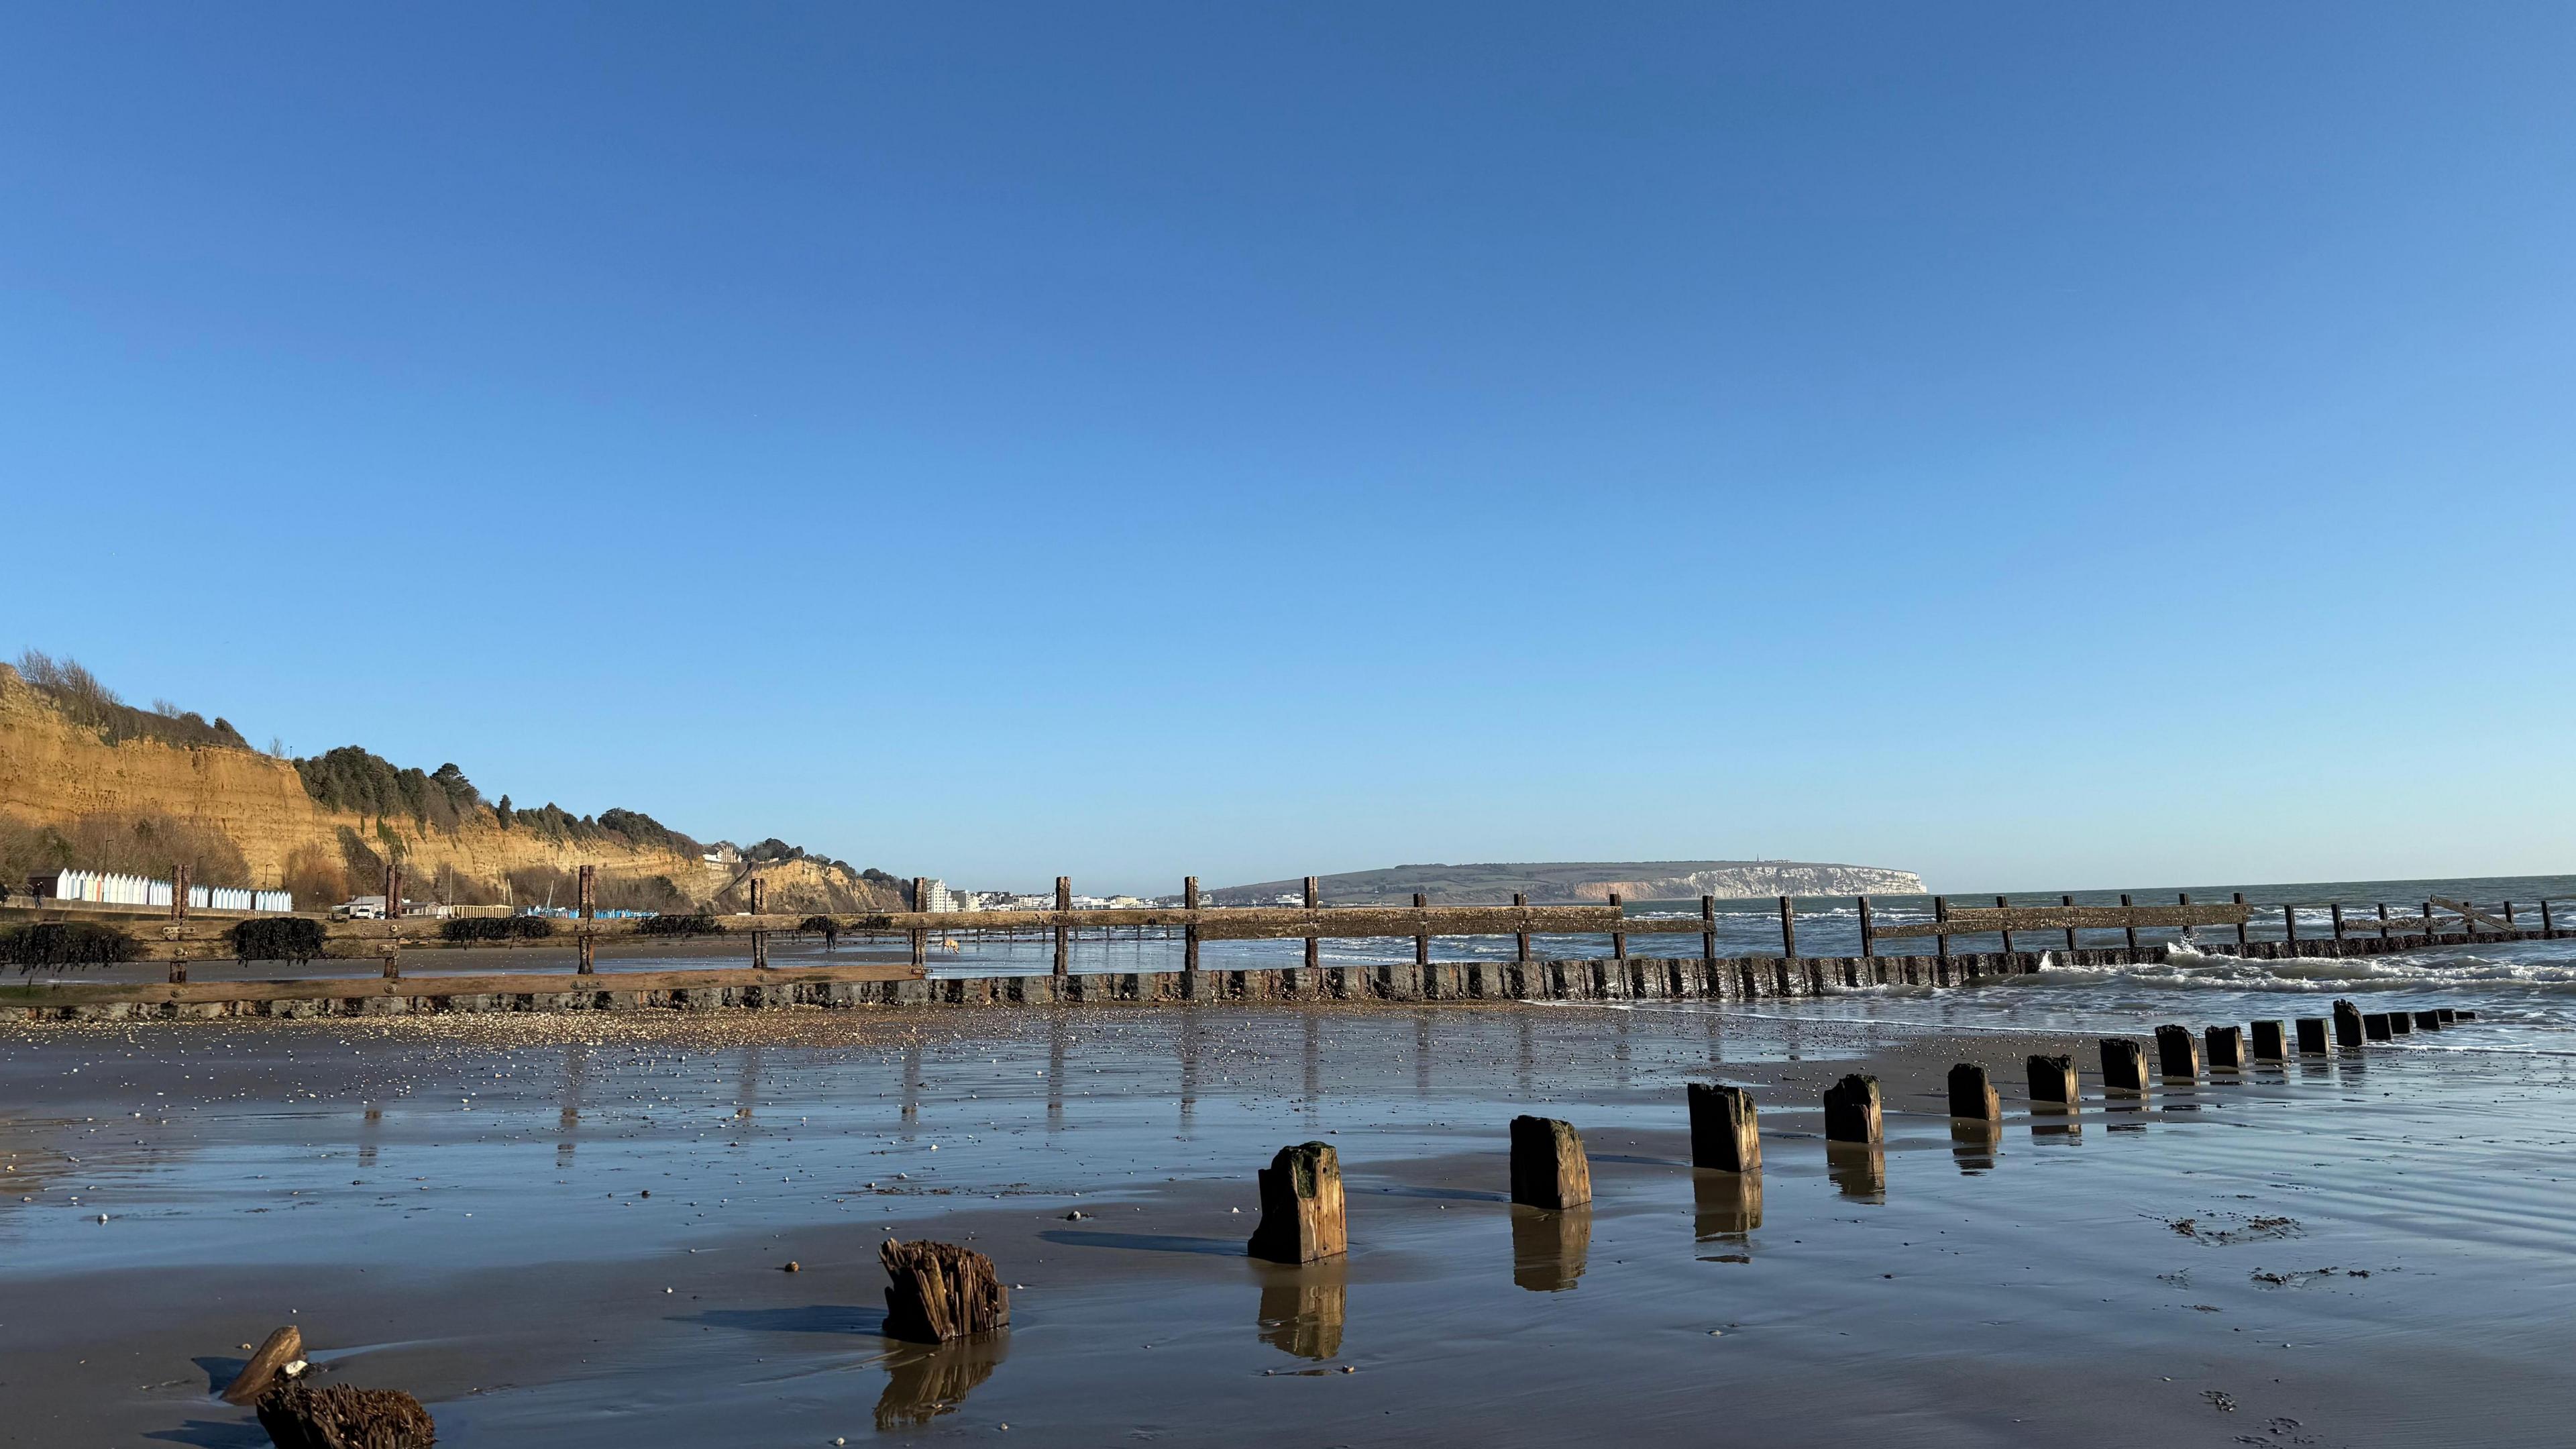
column 1597, row 979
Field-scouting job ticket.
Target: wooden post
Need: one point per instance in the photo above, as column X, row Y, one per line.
column 179, row 892
column 2177, row 1053
column 1972, row 1094
column 2383, row 920
column 179, row 972
column 2131, row 928
column 2428, row 921
column 2052, row 1079
column 1723, row 1132
column 2271, row 1041
column 1190, row 933
column 1941, row 914
column 393, row 891
column 2239, row 898
column 2348, row 1027
column 2335, row 910
column 760, row 938
column 1302, row 1217
column 1618, row 939
column 2124, row 1065
column 1063, row 935
column 2001, row 905
column 2508, row 915
column 2545, row 926
column 2290, row 921
column 1520, row 939
column 921, row 934
column 1853, row 1110
column 1708, row 928
column 2312, row 1036
column 1421, row 942
column 2070, row 931
column 1868, row 947
column 586, row 897
column 2226, row 1048
column 1549, row 1169
column 1314, row 902
column 1788, row 929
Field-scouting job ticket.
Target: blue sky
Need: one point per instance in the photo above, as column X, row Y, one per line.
column 2041, row 446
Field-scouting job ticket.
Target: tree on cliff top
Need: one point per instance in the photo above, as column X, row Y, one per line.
column 84, row 700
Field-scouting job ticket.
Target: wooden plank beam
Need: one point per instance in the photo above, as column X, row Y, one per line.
column 1976, row 920
column 2471, row 913
column 333, row 988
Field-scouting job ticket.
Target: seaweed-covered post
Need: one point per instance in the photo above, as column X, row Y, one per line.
column 1190, row 932
column 940, row 1291
column 1549, row 1169
column 2270, row 1041
column 1063, row 936
column 2177, row 1053
column 1301, row 1207
column 2348, row 1029
column 1853, row 1112
column 1972, row 1094
column 1723, row 1132
column 2226, row 1048
column 2312, row 1036
column 586, row 891
column 344, row 1417
column 2052, row 1080
column 1314, row 902
column 2124, row 1065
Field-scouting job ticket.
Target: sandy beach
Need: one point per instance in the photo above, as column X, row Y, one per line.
column 574, row 1232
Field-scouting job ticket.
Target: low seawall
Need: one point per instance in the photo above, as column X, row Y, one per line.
column 1634, row 978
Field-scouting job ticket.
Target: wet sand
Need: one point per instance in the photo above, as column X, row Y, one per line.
column 2354, row 1253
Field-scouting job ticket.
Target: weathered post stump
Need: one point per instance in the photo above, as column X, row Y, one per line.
column 1549, row 1169
column 1723, row 1132
column 2428, row 1021
column 2400, row 1024
column 2052, row 1079
column 2178, row 1053
column 2270, row 1042
column 2464, row 1016
column 275, row 1352
column 2124, row 1065
column 2446, row 1015
column 2312, row 1036
column 941, row 1291
column 1301, row 1206
column 2374, row 1026
column 1853, row 1112
column 2348, row 1028
column 2226, row 1048
column 1972, row 1094
column 341, row 1417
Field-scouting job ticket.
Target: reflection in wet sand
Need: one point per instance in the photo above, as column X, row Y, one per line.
column 1859, row 1170
column 926, row 1381
column 1973, row 1143
column 1302, row 1311
column 1549, row 1248
column 2055, row 1122
column 1725, row 1204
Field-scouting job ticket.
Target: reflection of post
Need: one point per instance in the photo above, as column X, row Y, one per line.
column 1189, row 1065
column 368, row 1128
column 1972, row 1144
column 926, row 1381
column 1549, row 1248
column 748, row 1095
column 1314, row 1064
column 568, row 1120
column 1302, row 1313
column 1858, row 1169
column 1725, row 1204
column 911, row 1081
column 1422, row 1051
column 1055, row 1068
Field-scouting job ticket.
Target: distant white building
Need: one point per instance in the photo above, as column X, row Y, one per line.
column 936, row 896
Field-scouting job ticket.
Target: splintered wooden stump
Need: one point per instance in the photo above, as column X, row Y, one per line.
column 2178, row 1052
column 341, row 1417
column 1549, row 1169
column 1852, row 1110
column 276, row 1351
column 2347, row 1024
column 1301, row 1206
column 2124, row 1065
column 2271, row 1038
column 2226, row 1048
column 1723, row 1133
column 2052, row 1079
column 941, row 1291
column 1972, row 1094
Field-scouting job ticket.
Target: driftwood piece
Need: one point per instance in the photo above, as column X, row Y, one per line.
column 1549, row 1169
column 275, row 1352
column 341, row 1417
column 1301, row 1206
column 940, row 1292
